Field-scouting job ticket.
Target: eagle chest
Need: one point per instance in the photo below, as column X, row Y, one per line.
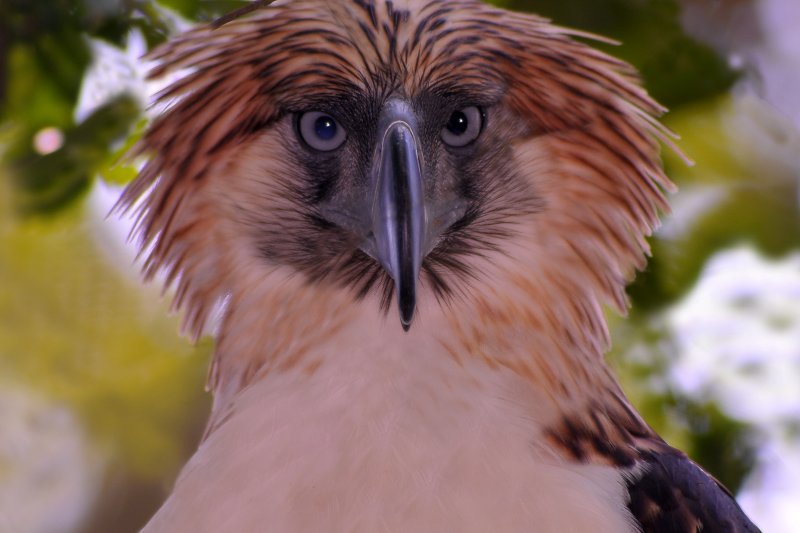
column 336, row 454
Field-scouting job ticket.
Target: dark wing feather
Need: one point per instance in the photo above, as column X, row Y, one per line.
column 671, row 494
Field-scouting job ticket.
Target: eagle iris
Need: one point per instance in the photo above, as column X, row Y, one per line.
column 320, row 131
column 463, row 127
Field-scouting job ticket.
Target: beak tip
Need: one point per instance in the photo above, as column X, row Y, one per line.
column 406, row 316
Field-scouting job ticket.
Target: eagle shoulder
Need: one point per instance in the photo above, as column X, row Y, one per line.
column 669, row 493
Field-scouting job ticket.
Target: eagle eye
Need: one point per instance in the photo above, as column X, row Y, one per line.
column 463, row 127
column 320, row 131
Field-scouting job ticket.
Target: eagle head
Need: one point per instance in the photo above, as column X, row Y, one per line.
column 421, row 152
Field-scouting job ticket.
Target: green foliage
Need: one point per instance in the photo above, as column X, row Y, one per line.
column 723, row 445
column 44, row 56
column 78, row 329
column 206, row 10
column 676, row 69
column 46, row 183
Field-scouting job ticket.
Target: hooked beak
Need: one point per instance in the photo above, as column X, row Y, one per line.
column 399, row 221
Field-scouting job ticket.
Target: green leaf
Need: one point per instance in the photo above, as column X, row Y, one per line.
column 676, row 69
column 116, row 169
column 47, row 183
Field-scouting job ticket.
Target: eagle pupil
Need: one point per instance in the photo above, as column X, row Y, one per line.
column 458, row 124
column 325, row 128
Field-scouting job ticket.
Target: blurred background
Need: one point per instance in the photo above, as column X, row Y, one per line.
column 101, row 401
